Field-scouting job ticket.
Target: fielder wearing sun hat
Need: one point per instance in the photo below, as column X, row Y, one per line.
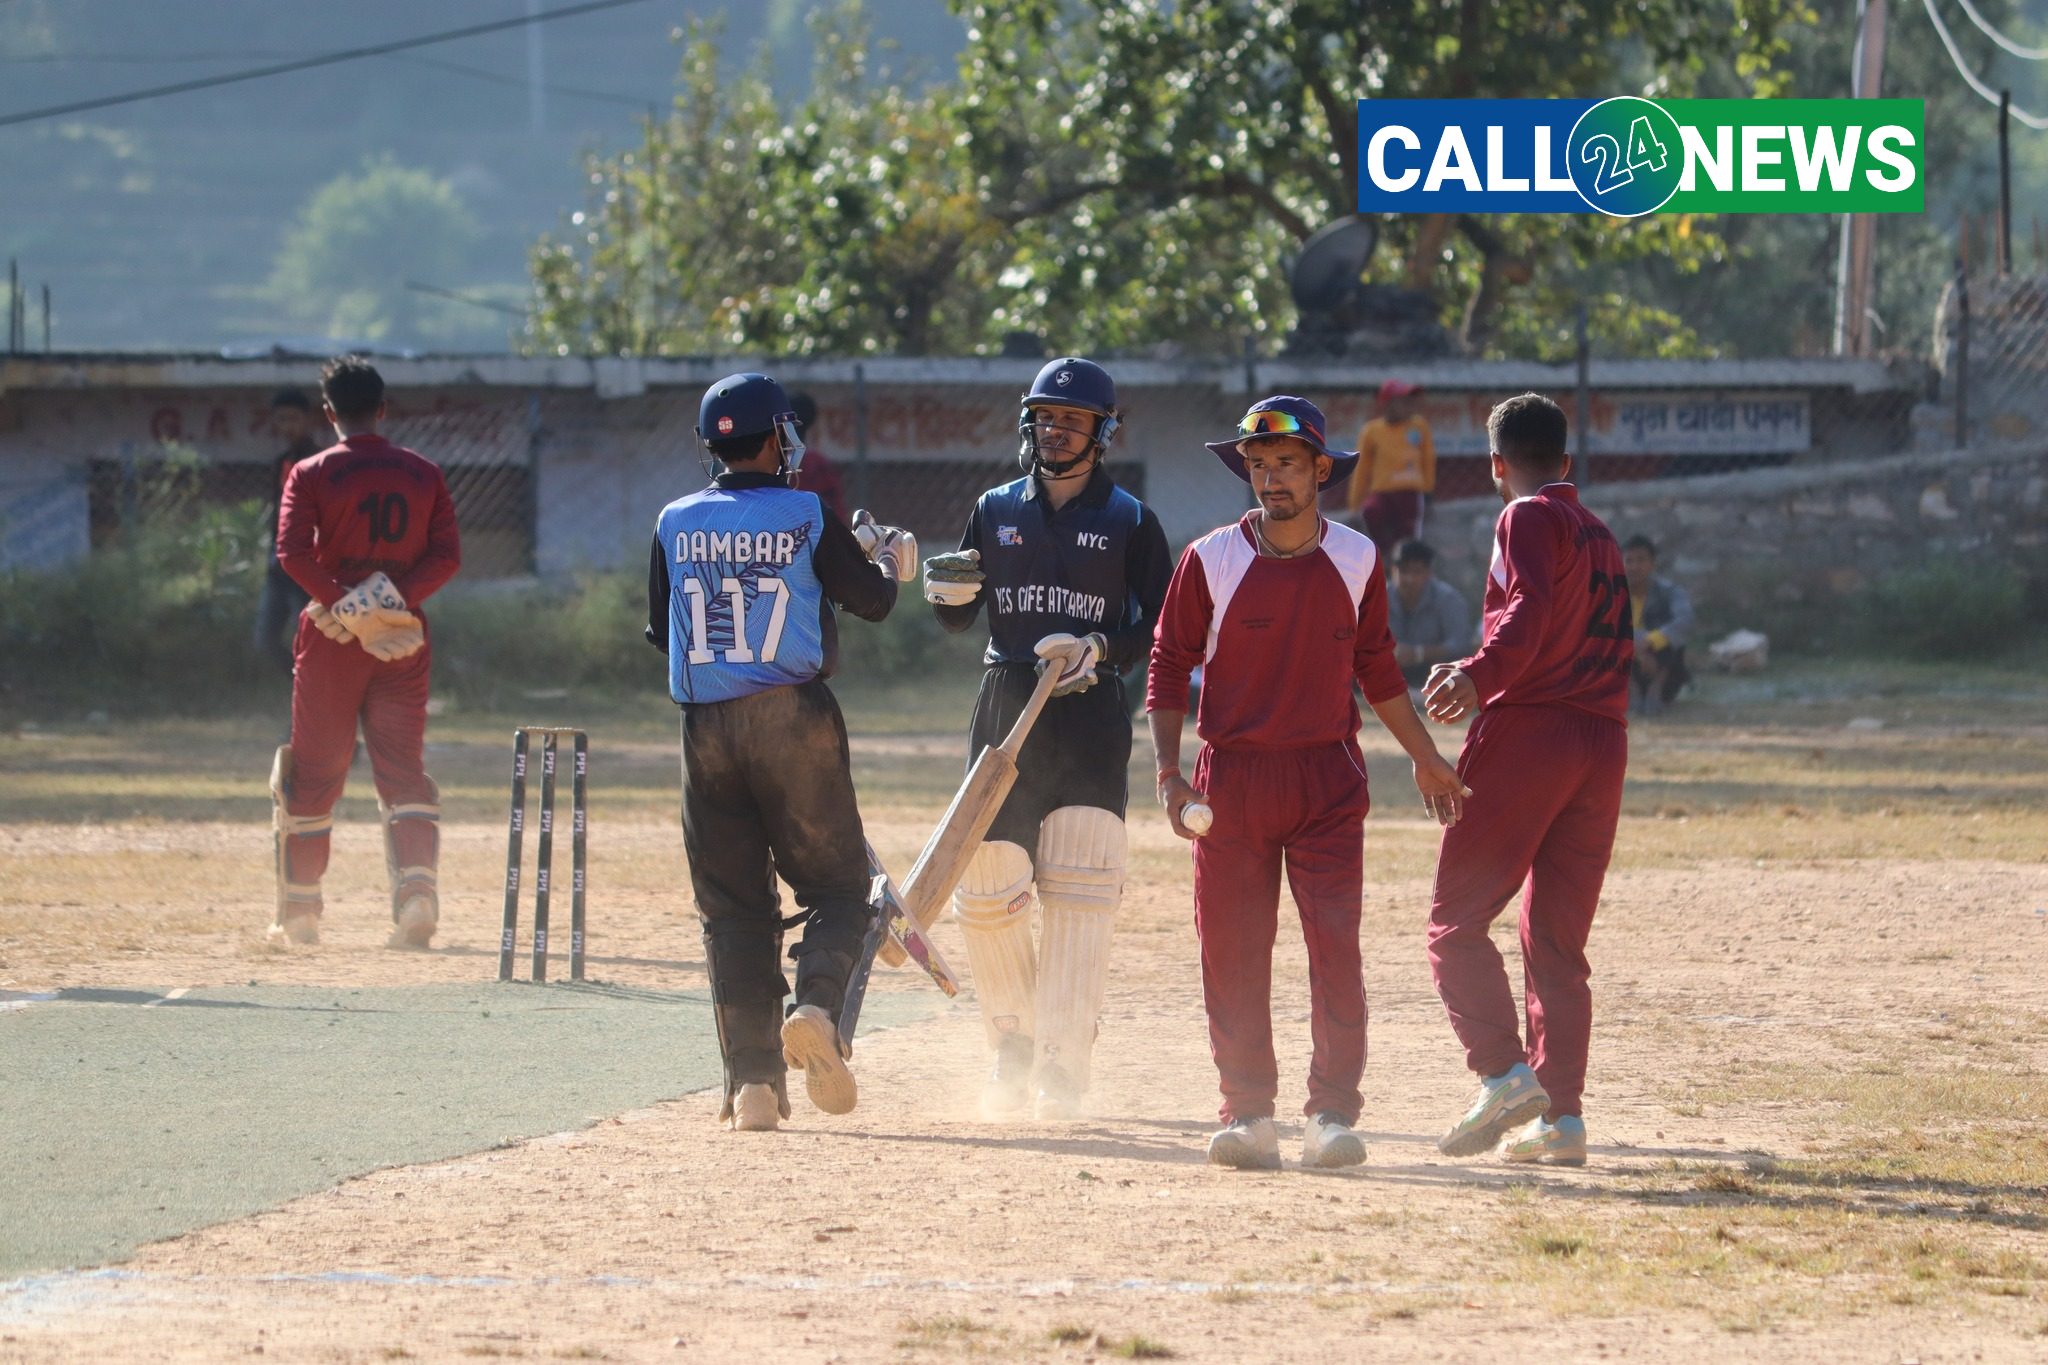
column 1398, row 388
column 1284, row 415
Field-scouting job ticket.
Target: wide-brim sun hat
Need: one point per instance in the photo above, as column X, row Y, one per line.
column 1284, row 415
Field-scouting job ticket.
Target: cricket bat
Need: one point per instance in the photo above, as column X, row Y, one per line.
column 891, row 925
column 946, row 854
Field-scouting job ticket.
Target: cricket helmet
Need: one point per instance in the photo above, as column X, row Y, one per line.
column 1069, row 382
column 743, row 405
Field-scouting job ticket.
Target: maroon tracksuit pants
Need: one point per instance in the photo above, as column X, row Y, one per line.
column 1546, row 792
column 335, row 687
column 1306, row 808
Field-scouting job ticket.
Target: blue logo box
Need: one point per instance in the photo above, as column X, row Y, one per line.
column 1467, row 156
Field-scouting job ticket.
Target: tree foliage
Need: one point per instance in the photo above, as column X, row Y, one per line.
column 345, row 262
column 1120, row 175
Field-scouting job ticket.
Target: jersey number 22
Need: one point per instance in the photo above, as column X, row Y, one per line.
column 740, row 652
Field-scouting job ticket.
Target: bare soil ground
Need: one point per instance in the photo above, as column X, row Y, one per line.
column 1817, row 1099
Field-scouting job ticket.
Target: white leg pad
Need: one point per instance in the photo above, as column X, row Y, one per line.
column 284, row 827
column 1081, row 855
column 993, row 905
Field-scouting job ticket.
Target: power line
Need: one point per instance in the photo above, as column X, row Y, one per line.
column 307, row 63
column 470, row 299
column 2032, row 54
column 2034, row 121
column 498, row 78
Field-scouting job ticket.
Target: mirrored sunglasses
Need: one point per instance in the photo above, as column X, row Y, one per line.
column 1271, row 423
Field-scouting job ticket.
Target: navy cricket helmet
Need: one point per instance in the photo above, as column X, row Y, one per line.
column 742, row 405
column 1069, row 382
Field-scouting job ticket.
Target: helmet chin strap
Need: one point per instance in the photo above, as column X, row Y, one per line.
column 1035, row 463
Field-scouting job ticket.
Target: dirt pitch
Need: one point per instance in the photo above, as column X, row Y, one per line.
column 1817, row 1098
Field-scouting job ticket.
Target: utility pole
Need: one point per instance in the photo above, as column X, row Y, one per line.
column 536, row 72
column 1856, row 268
column 46, row 319
column 2005, row 182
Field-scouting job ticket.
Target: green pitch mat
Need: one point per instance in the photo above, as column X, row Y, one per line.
column 131, row 1117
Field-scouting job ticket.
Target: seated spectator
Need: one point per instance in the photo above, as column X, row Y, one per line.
column 1663, row 623
column 1429, row 619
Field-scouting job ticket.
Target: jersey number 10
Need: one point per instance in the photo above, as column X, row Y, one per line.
column 735, row 593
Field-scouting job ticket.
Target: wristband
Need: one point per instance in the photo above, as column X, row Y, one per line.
column 1164, row 774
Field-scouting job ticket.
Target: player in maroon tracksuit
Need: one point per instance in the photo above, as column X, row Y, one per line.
column 1283, row 610
column 356, row 513
column 1546, row 757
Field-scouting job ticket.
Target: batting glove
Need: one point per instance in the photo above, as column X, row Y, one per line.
column 1075, row 657
column 892, row 547
column 953, row 580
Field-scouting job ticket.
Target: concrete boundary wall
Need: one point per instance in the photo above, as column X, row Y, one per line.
column 567, row 460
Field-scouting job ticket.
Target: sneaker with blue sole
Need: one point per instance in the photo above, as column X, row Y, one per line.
column 1503, row 1101
column 1542, row 1142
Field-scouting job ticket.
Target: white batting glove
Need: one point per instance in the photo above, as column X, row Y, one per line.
column 1075, row 657
column 323, row 621
column 892, row 547
column 953, row 580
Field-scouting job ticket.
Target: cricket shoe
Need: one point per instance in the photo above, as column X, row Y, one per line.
column 1515, row 1096
column 1057, row 1096
column 1550, row 1144
column 1246, row 1145
column 302, row 928
column 417, row 920
column 1329, row 1143
column 1009, row 1085
column 810, row 1040
column 756, row 1109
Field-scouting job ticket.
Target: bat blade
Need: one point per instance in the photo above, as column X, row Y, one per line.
column 946, row 854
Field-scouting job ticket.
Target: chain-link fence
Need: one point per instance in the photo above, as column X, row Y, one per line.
column 1991, row 344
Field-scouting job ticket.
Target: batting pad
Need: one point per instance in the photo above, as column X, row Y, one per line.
column 993, row 905
column 1081, row 855
column 292, row 895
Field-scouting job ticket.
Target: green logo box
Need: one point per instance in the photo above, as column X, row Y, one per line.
column 1798, row 156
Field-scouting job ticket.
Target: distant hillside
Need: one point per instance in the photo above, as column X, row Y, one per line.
column 156, row 224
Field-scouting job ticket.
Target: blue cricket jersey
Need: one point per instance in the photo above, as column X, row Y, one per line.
column 745, row 610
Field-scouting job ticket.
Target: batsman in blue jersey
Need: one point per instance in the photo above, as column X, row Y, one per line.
column 1072, row 570
column 741, row 587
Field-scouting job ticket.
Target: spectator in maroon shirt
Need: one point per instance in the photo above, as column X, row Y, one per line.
column 818, row 475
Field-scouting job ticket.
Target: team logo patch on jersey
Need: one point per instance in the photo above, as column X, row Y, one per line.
column 1009, row 535
column 725, row 426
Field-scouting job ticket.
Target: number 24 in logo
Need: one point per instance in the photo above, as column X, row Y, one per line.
column 1646, row 152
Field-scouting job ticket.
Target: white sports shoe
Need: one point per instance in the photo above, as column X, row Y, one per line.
column 1329, row 1143
column 303, row 928
column 417, row 920
column 1513, row 1097
column 755, row 1109
column 810, row 1040
column 1550, row 1144
column 1247, row 1145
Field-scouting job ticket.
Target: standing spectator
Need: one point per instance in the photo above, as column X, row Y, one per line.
column 818, row 475
column 1396, row 468
column 1430, row 620
column 277, row 613
column 1663, row 623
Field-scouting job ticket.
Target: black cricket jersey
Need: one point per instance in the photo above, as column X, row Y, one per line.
column 1098, row 565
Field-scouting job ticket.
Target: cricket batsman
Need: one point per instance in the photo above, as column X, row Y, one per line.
column 1283, row 610
column 741, row 585
column 1547, row 755
column 368, row 530
column 1072, row 570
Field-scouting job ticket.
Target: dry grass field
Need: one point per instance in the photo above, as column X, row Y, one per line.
column 1818, row 1103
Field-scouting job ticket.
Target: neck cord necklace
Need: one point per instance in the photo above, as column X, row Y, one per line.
column 1267, row 548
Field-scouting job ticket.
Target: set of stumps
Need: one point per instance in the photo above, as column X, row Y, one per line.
column 544, row 849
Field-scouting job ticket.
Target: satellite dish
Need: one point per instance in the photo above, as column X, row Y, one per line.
column 1332, row 262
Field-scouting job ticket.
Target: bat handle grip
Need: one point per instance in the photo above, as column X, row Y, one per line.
column 1048, row 678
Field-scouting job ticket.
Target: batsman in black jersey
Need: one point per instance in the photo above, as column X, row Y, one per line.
column 1059, row 557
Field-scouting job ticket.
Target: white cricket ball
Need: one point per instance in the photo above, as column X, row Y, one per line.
column 1197, row 817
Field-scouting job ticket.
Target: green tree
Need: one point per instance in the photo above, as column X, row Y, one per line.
column 359, row 239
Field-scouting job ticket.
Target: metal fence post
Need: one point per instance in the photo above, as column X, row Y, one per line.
column 1962, row 352
column 860, row 435
column 533, row 483
column 1585, row 414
